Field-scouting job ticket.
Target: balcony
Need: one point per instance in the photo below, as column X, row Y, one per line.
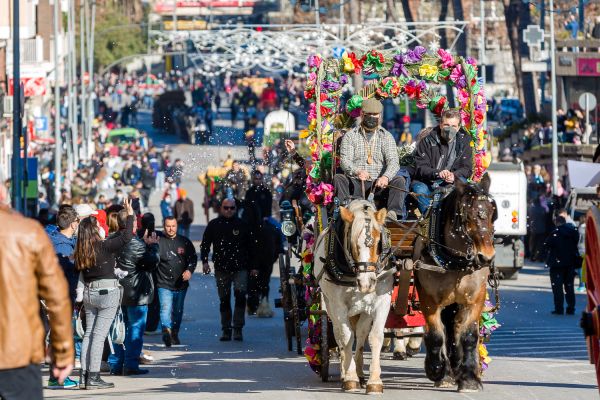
column 31, row 51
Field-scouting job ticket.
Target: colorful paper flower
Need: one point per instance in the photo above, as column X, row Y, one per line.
column 355, row 103
column 446, row 59
column 457, row 77
column 358, row 63
column 314, row 61
column 388, row 87
column 437, row 104
column 415, row 55
column 413, row 89
column 428, row 71
column 347, row 63
column 374, row 60
column 398, row 67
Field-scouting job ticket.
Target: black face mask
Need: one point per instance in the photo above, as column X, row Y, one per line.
column 370, row 121
column 449, row 133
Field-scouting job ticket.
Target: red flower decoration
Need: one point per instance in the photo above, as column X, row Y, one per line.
column 309, row 94
column 358, row 64
column 479, row 117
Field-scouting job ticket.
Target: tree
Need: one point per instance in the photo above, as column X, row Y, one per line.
column 114, row 39
column 517, row 17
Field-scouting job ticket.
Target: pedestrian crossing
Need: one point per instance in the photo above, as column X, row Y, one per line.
column 565, row 342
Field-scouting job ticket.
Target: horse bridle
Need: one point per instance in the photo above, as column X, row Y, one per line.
column 362, row 267
column 469, row 256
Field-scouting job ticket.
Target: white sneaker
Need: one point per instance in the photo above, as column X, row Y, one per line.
column 146, row 359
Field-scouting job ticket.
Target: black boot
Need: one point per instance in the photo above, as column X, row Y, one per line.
column 167, row 337
column 82, row 378
column 94, row 381
column 237, row 334
column 175, row 336
column 226, row 336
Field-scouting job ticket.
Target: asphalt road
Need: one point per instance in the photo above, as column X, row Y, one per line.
column 535, row 355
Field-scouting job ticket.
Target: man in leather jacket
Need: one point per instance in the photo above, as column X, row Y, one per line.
column 138, row 259
column 28, row 258
column 441, row 157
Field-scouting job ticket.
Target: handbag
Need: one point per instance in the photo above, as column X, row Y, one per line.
column 116, row 334
column 78, row 327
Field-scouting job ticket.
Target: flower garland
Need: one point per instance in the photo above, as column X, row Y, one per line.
column 411, row 73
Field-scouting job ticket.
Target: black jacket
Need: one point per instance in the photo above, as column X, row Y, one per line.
column 431, row 149
column 232, row 244
column 138, row 260
column 177, row 255
column 258, row 201
column 562, row 247
column 106, row 253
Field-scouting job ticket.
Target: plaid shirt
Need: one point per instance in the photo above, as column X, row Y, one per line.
column 354, row 154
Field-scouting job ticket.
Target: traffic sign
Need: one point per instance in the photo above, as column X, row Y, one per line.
column 587, row 101
column 533, row 35
column 531, row 66
column 41, row 124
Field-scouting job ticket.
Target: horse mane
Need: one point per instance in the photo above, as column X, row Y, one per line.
column 450, row 203
column 361, row 210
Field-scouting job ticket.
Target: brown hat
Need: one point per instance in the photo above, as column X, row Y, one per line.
column 372, row 106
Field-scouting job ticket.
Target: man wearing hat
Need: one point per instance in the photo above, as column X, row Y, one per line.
column 369, row 160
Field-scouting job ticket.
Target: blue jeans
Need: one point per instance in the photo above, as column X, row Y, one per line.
column 135, row 322
column 183, row 231
column 425, row 190
column 171, row 307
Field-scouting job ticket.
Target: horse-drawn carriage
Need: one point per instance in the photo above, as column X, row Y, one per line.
column 363, row 274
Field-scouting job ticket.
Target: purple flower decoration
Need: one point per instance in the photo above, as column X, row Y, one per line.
column 330, row 86
column 343, row 79
column 415, row 55
column 457, row 76
column 472, row 61
column 399, row 68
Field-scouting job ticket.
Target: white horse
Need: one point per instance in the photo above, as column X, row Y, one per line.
column 361, row 310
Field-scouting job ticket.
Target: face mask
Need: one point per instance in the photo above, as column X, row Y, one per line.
column 449, row 133
column 370, row 121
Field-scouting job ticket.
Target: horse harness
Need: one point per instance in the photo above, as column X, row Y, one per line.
column 339, row 262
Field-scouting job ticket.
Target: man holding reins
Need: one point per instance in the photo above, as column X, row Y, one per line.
column 441, row 156
column 369, row 160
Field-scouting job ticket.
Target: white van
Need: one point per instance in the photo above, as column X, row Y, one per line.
column 509, row 190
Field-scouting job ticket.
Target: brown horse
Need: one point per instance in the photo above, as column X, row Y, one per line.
column 452, row 300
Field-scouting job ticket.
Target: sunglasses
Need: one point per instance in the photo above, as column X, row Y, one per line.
column 228, row 208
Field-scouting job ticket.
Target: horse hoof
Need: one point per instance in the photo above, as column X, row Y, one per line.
column 411, row 352
column 386, row 349
column 469, row 387
column 375, row 388
column 363, row 382
column 444, row 383
column 350, row 386
column 400, row 355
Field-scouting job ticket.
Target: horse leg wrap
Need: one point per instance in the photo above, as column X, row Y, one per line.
column 468, row 374
column 436, row 363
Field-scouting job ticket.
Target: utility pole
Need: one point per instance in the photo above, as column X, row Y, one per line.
column 82, row 59
column 317, row 16
column 74, row 98
column 92, row 86
column 553, row 89
column 68, row 72
column 342, row 19
column 57, row 133
column 482, row 56
column 17, row 167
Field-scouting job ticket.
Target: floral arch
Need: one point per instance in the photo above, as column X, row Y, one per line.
column 414, row 73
